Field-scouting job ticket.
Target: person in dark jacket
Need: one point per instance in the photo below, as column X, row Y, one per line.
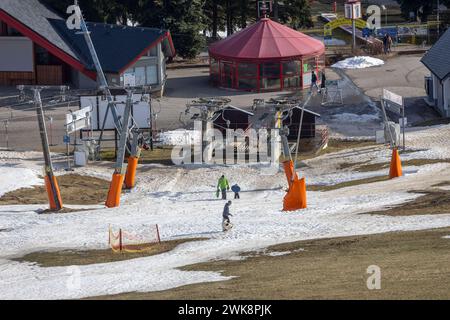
column 236, row 189
column 314, row 82
column 226, row 223
column 385, row 43
column 323, row 84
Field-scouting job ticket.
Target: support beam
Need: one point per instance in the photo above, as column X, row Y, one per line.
column 133, row 159
column 51, row 184
column 115, row 189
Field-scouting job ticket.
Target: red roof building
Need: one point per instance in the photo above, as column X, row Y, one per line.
column 266, row 56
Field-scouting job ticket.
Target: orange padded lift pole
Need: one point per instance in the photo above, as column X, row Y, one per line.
column 53, row 193
column 396, row 165
column 130, row 177
column 115, row 190
column 51, row 185
column 295, row 199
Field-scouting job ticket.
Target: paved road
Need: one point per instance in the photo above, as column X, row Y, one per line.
column 359, row 116
column 403, row 75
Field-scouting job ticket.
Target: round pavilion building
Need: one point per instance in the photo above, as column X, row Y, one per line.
column 266, row 56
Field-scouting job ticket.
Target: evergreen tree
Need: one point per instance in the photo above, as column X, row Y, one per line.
column 106, row 11
column 214, row 17
column 184, row 19
column 421, row 8
column 246, row 12
column 188, row 19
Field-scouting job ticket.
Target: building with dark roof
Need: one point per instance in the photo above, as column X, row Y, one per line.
column 233, row 118
column 437, row 60
column 38, row 48
column 308, row 123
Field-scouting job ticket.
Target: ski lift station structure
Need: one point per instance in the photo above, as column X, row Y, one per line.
column 266, row 56
column 308, row 123
column 234, row 118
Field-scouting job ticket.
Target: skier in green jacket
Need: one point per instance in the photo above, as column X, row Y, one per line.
column 223, row 186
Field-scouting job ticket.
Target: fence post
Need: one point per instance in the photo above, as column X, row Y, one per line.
column 157, row 233
column 6, row 133
column 120, row 240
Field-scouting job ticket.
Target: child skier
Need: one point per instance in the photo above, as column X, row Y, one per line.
column 236, row 189
column 226, row 223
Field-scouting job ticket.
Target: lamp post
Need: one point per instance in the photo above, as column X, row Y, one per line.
column 353, row 12
column 6, row 123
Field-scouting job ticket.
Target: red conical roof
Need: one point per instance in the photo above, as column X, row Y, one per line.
column 266, row 39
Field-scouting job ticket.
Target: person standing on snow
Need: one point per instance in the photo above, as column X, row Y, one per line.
column 226, row 223
column 223, row 186
column 236, row 189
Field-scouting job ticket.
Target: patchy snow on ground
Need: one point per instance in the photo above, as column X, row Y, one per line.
column 360, row 62
column 352, row 117
column 182, row 201
column 180, row 137
column 13, row 178
column 278, row 253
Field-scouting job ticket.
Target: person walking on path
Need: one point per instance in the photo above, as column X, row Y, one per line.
column 223, row 186
column 314, row 82
column 385, row 43
column 389, row 43
column 323, row 82
column 226, row 223
column 236, row 189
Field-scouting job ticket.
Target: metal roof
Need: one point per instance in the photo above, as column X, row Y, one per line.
column 35, row 15
column 266, row 40
column 437, row 59
column 117, row 46
column 306, row 110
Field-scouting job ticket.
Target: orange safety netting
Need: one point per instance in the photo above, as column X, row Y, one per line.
column 124, row 241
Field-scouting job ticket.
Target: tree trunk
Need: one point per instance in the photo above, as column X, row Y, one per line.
column 215, row 21
column 243, row 17
column 229, row 18
column 275, row 11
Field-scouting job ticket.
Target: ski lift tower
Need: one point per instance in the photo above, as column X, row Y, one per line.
column 126, row 131
column 208, row 112
column 353, row 12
